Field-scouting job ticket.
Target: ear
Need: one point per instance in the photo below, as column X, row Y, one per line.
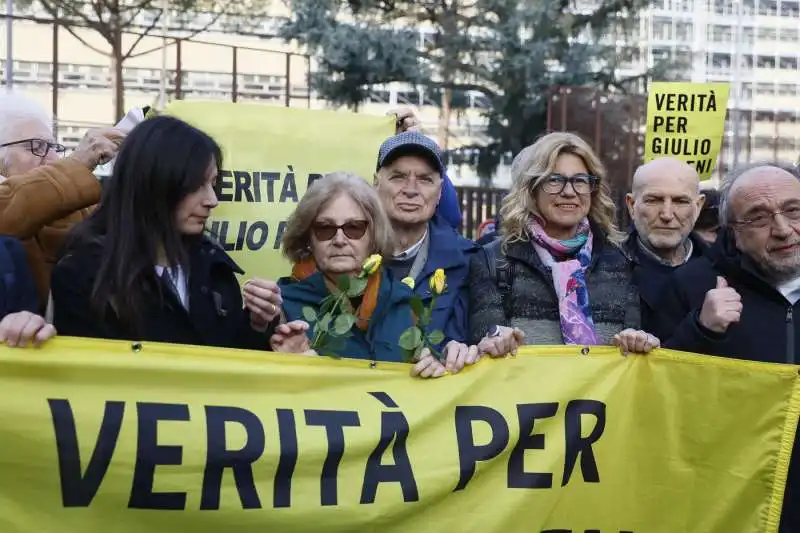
column 630, row 202
column 375, row 179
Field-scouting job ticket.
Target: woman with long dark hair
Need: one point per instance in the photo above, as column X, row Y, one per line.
column 142, row 267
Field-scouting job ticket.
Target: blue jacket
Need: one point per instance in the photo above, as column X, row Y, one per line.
column 452, row 252
column 449, row 207
column 17, row 287
column 391, row 318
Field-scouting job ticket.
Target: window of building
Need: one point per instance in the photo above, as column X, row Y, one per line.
column 789, row 34
column 662, row 29
column 768, row 7
column 766, row 62
column 790, row 9
column 722, row 34
column 787, row 89
column 684, row 31
column 767, row 34
column 765, row 89
column 788, row 63
column 721, row 60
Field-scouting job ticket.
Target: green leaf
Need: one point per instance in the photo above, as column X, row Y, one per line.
column 309, row 315
column 418, row 307
column 343, row 323
column 408, row 356
column 436, row 337
column 325, row 323
column 411, row 339
column 343, row 283
column 357, row 287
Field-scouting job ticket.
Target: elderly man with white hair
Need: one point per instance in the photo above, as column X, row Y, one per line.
column 742, row 298
column 42, row 195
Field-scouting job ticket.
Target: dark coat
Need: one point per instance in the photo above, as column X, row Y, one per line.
column 17, row 286
column 449, row 251
column 651, row 276
column 532, row 304
column 767, row 331
column 380, row 342
column 215, row 317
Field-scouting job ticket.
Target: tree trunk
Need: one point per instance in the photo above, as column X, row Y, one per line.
column 117, row 80
column 444, row 120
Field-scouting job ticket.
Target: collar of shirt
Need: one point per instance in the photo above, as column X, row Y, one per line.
column 688, row 247
column 412, row 252
column 790, row 290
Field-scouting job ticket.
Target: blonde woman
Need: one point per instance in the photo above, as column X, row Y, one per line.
column 556, row 275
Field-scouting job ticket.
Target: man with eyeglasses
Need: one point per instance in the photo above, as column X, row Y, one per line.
column 414, row 189
column 742, row 298
column 42, row 195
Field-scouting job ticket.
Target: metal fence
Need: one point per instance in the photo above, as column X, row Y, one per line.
column 230, row 75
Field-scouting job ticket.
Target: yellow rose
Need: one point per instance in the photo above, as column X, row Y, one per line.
column 372, row 264
column 438, row 282
column 409, row 282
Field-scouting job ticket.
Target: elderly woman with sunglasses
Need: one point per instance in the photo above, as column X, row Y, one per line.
column 337, row 225
column 556, row 275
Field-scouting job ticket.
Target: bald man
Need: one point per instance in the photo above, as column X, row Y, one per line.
column 742, row 299
column 664, row 204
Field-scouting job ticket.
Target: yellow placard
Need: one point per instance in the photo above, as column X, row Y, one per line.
column 687, row 121
column 96, row 436
column 271, row 155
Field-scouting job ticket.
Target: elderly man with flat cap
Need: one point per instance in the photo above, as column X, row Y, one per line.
column 742, row 298
column 419, row 199
column 664, row 204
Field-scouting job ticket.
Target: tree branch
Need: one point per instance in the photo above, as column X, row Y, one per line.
column 80, row 39
column 57, row 9
column 142, row 35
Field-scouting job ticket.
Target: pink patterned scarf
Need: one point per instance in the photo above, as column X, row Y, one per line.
column 568, row 261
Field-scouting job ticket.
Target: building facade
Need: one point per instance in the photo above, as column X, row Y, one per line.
column 753, row 44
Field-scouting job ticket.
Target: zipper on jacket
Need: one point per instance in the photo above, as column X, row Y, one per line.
column 790, row 357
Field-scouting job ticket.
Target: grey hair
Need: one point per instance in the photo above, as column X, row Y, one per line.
column 16, row 109
column 725, row 213
column 297, row 237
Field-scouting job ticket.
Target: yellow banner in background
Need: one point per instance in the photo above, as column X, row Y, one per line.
column 687, row 121
column 271, row 155
column 96, row 437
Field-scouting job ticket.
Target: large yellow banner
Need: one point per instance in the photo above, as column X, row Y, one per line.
column 102, row 436
column 271, row 156
column 687, row 121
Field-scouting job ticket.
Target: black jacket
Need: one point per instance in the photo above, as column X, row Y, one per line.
column 17, row 287
column 526, row 297
column 651, row 276
column 215, row 317
column 768, row 330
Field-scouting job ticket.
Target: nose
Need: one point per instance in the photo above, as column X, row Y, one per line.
column 569, row 191
column 339, row 238
column 211, row 201
column 666, row 212
column 781, row 227
column 410, row 187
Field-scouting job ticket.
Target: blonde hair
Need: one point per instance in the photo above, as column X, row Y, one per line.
column 533, row 165
column 297, row 236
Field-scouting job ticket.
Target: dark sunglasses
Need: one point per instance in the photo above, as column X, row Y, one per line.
column 354, row 229
column 38, row 147
column 581, row 183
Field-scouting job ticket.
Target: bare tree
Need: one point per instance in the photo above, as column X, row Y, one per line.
column 114, row 18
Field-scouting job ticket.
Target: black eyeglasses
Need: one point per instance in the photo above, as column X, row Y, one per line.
column 581, row 183
column 764, row 219
column 354, row 229
column 38, row 147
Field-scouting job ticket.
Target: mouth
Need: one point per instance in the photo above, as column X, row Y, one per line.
column 408, row 207
column 786, row 249
column 568, row 207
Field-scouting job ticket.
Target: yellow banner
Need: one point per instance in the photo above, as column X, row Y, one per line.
column 271, row 155
column 100, row 436
column 687, row 121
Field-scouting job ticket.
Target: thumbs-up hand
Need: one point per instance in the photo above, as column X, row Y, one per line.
column 721, row 307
